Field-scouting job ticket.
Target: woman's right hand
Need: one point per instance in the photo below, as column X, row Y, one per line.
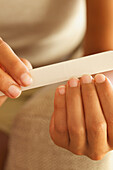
column 14, row 72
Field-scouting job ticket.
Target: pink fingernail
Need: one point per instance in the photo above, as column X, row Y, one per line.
column 14, row 91
column 26, row 79
column 99, row 78
column 73, row 82
column 86, row 79
column 62, row 90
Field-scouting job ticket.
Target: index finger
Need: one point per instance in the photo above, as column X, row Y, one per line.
column 13, row 65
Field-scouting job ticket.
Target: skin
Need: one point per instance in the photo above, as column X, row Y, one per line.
column 99, row 30
column 82, row 121
column 99, row 34
column 9, row 76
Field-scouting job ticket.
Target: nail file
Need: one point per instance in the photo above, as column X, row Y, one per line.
column 63, row 71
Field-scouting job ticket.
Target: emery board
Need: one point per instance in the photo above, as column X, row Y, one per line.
column 93, row 64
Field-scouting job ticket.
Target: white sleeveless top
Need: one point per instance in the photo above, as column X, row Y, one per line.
column 42, row 30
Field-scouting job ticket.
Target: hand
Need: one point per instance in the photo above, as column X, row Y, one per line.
column 14, row 72
column 82, row 121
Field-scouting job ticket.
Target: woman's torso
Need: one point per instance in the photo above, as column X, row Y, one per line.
column 42, row 31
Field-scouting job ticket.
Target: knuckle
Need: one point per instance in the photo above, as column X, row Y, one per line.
column 61, row 129
column 96, row 156
column 98, row 127
column 54, row 138
column 77, row 152
column 74, row 131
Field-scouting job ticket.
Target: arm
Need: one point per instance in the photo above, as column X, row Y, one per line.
column 99, row 34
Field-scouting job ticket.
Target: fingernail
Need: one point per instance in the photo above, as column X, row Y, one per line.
column 14, row 91
column 86, row 79
column 26, row 79
column 73, row 82
column 62, row 90
column 99, row 78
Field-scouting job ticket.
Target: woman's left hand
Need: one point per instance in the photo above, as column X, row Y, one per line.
column 28, row 65
column 82, row 121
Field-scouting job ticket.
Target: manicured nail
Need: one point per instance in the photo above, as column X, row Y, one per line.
column 86, row 79
column 73, row 82
column 26, row 79
column 99, row 78
column 14, row 91
column 62, row 90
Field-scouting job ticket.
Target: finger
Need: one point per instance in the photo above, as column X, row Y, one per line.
column 2, row 68
column 60, row 123
column 27, row 63
column 76, row 123
column 8, row 86
column 56, row 136
column 105, row 93
column 95, row 121
column 13, row 65
column 2, row 100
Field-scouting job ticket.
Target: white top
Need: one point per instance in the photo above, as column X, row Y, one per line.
column 43, row 30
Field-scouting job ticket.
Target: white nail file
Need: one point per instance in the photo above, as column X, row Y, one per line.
column 63, row 71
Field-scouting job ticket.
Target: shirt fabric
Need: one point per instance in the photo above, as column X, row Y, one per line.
column 42, row 31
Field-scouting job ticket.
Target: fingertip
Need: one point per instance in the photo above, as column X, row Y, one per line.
column 86, row 79
column 26, row 79
column 73, row 82
column 61, row 89
column 14, row 91
column 27, row 63
column 59, row 100
column 99, row 78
